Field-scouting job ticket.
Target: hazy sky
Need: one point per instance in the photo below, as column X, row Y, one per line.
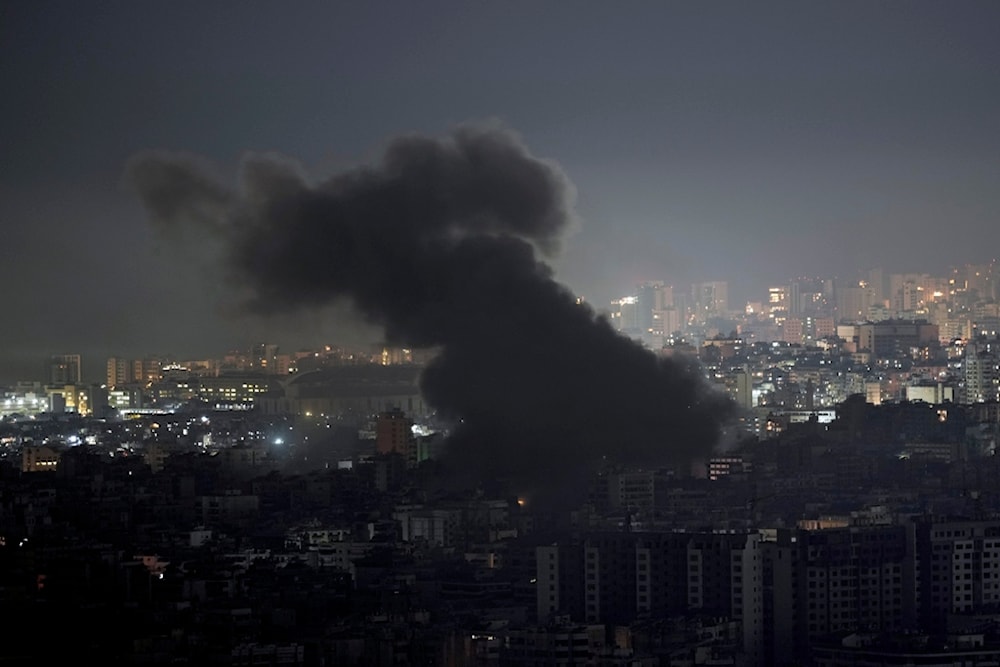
column 748, row 142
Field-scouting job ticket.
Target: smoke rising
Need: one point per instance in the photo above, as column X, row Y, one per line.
column 443, row 243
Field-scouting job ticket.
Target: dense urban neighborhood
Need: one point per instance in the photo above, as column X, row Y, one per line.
column 303, row 509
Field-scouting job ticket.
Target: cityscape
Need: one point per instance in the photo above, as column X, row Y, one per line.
column 267, row 507
column 500, row 334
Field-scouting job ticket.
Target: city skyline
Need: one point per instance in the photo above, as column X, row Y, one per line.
column 746, row 145
column 747, row 314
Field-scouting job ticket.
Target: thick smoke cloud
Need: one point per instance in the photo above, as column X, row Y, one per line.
column 442, row 242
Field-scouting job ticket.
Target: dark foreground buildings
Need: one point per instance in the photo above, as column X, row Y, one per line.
column 250, row 537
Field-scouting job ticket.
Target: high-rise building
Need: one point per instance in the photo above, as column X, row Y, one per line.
column 876, row 283
column 956, row 569
column 853, row 302
column 981, row 373
column 810, row 296
column 64, row 369
column 793, row 330
column 655, row 313
column 625, row 315
column 652, row 297
column 833, row 580
column 617, row 577
column 895, row 338
column 558, row 573
column 394, row 433
column 744, row 389
column 710, row 299
column 978, row 280
column 778, row 303
column 264, row 358
column 632, row 490
column 907, row 296
column 672, row 320
column 822, row 327
column 119, row 372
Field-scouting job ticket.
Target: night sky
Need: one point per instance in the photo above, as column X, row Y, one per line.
column 748, row 142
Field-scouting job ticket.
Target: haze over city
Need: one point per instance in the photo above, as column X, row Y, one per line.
column 703, row 142
column 500, row 334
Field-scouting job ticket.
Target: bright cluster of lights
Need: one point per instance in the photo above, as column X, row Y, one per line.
column 28, row 404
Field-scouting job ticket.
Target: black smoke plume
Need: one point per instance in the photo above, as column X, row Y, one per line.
column 443, row 243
